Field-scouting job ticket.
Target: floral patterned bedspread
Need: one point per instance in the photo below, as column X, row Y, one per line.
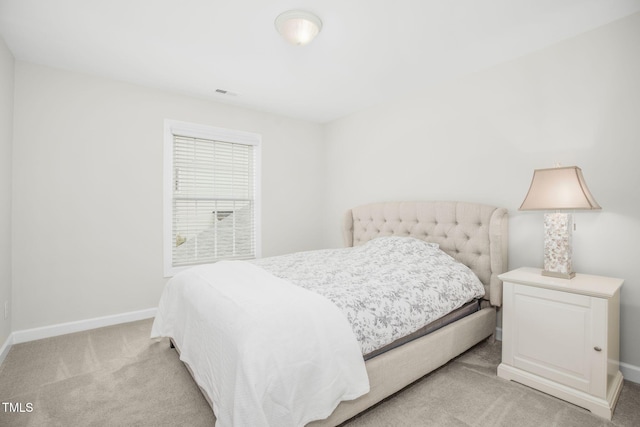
column 387, row 288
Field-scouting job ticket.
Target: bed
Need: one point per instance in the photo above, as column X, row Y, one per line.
column 473, row 234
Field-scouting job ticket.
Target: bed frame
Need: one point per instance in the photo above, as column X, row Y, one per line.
column 475, row 235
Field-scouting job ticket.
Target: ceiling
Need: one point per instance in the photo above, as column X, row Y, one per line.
column 368, row 51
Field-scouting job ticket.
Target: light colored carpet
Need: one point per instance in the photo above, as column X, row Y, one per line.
column 117, row 376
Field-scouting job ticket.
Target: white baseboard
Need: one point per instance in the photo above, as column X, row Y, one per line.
column 79, row 326
column 630, row 372
column 18, row 337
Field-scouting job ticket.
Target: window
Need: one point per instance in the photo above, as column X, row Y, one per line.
column 211, row 195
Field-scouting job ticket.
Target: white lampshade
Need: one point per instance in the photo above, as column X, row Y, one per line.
column 298, row 27
column 558, row 189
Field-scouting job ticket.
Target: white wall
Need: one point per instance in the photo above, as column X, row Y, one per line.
column 6, row 130
column 87, row 201
column 479, row 138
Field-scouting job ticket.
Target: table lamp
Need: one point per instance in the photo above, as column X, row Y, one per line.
column 558, row 189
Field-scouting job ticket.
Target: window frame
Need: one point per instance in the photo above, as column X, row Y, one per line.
column 194, row 130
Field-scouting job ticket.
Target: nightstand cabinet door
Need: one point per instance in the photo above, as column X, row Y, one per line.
column 559, row 336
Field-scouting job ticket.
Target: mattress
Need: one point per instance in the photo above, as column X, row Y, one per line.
column 388, row 288
column 457, row 314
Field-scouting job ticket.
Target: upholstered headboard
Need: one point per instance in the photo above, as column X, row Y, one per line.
column 474, row 234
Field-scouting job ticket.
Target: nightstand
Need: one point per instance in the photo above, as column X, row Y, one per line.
column 561, row 336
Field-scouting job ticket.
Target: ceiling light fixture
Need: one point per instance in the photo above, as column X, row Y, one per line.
column 298, row 27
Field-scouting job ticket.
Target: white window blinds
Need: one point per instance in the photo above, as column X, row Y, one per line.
column 213, row 198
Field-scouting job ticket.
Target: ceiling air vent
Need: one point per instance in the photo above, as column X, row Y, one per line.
column 226, row 92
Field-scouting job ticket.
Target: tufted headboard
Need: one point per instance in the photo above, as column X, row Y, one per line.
column 474, row 234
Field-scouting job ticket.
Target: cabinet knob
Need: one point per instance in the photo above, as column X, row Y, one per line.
column 596, row 348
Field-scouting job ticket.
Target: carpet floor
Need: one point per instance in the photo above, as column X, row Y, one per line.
column 117, row 376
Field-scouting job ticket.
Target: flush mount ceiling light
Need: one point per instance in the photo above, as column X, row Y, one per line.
column 298, row 27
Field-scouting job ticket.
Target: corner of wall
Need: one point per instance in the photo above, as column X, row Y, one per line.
column 7, row 67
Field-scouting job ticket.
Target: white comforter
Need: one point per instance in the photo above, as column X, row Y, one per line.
column 232, row 322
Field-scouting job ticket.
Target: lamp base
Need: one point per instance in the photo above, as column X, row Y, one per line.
column 558, row 245
column 559, row 275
